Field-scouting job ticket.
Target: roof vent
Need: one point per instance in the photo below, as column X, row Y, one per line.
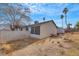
column 36, row 22
column 43, row 18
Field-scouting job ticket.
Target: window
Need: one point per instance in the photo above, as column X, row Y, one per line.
column 32, row 30
column 26, row 28
column 35, row 30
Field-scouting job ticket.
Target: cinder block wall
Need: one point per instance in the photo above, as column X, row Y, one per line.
column 13, row 35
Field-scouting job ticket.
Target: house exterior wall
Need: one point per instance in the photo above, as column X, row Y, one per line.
column 13, row 35
column 46, row 30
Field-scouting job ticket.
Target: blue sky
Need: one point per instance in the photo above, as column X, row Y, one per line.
column 52, row 11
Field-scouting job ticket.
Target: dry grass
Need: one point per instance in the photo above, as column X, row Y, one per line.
column 64, row 45
column 72, row 52
column 11, row 46
column 73, row 39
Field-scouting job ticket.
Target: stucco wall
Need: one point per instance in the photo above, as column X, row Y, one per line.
column 35, row 36
column 48, row 29
column 13, row 35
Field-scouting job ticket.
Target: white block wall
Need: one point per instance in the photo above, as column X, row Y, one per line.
column 13, row 35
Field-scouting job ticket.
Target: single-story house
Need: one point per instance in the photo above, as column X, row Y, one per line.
column 43, row 29
column 38, row 30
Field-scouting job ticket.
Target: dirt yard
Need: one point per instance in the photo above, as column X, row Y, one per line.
column 11, row 46
column 63, row 45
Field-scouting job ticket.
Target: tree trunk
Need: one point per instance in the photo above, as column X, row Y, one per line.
column 66, row 19
column 12, row 28
column 62, row 23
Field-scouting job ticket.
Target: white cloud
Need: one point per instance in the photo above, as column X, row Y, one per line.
column 50, row 9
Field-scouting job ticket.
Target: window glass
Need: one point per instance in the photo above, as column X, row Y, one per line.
column 32, row 30
column 35, row 30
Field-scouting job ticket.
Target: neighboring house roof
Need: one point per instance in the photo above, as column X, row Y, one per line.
column 59, row 27
column 43, row 23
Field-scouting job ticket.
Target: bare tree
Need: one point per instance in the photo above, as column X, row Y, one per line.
column 14, row 13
